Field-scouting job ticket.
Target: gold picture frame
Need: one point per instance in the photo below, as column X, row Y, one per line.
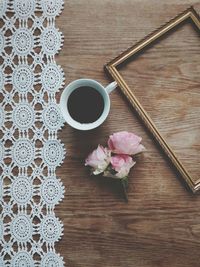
column 111, row 68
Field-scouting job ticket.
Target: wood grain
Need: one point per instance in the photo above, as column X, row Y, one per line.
column 160, row 226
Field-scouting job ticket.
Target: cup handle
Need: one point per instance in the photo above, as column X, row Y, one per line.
column 109, row 88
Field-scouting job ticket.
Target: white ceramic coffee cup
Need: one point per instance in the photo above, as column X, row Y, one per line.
column 104, row 91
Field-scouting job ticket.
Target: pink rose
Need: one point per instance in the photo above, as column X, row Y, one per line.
column 122, row 165
column 125, row 143
column 99, row 159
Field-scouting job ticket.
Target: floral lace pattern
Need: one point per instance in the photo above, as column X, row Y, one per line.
column 30, row 118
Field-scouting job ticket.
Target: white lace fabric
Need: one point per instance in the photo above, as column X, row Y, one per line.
column 30, row 150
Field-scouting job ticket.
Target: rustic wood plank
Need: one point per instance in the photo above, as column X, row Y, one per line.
column 160, row 226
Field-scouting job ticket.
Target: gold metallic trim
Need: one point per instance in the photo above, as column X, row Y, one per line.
column 111, row 67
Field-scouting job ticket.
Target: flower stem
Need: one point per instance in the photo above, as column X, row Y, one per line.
column 124, row 182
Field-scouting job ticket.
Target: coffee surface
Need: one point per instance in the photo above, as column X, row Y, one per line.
column 85, row 104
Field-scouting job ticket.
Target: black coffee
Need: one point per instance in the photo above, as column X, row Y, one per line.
column 85, row 104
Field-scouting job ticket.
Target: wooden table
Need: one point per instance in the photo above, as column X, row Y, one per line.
column 160, row 225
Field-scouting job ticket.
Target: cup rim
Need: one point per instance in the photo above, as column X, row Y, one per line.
column 67, row 92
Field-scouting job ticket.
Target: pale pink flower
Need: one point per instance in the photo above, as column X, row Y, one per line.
column 125, row 143
column 122, row 165
column 99, row 159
